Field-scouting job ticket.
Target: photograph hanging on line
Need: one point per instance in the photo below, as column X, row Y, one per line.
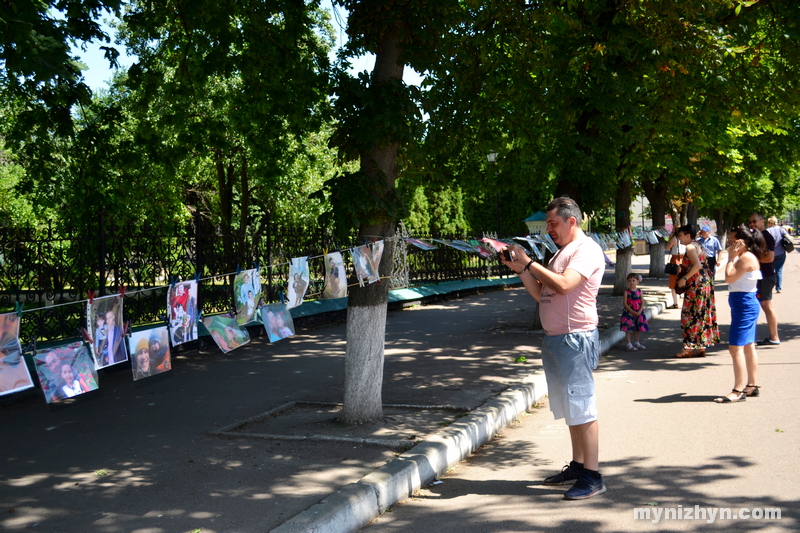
column 65, row 371
column 422, row 245
column 377, row 254
column 335, row 276
column 247, row 293
column 14, row 373
column 106, row 330
column 226, row 332
column 182, row 309
column 366, row 272
column 299, row 280
column 149, row 349
column 277, row 322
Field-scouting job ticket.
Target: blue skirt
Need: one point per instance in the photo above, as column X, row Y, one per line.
column 744, row 316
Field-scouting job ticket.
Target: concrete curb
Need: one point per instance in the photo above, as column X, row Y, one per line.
column 355, row 505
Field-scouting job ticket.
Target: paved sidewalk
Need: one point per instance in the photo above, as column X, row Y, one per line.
column 664, row 445
column 140, row 456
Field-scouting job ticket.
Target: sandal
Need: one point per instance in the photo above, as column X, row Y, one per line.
column 752, row 390
column 684, row 354
column 673, row 306
column 700, row 353
column 740, row 397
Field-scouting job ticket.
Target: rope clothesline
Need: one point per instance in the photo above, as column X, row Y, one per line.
column 161, row 287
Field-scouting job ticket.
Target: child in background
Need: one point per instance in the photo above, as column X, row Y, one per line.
column 633, row 317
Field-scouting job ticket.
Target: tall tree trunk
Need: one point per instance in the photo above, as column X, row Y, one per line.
column 622, row 208
column 366, row 309
column 656, row 192
column 691, row 213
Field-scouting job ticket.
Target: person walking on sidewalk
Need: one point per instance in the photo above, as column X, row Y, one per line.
column 777, row 233
column 742, row 273
column 567, row 294
column 767, row 282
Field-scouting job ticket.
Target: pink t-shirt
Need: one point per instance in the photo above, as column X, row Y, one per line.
column 577, row 310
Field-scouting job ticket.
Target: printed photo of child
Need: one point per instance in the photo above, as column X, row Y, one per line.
column 14, row 374
column 226, row 332
column 105, row 326
column 247, row 293
column 150, row 352
column 299, row 278
column 65, row 371
column 335, row 276
column 277, row 321
column 182, row 309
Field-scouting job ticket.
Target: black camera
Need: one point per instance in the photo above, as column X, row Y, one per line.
column 508, row 255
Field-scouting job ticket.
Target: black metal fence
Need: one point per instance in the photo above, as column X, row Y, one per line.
column 51, row 273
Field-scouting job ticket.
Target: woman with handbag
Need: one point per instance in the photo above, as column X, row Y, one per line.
column 742, row 272
column 699, row 312
column 676, row 251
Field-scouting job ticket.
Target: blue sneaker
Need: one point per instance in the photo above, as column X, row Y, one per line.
column 568, row 474
column 585, row 487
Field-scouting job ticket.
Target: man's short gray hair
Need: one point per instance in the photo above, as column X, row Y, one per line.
column 565, row 208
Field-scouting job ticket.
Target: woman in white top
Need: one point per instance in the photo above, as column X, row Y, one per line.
column 742, row 272
column 677, row 251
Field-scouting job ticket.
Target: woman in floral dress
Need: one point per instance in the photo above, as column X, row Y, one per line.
column 699, row 312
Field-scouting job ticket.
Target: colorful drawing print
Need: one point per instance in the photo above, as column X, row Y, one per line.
column 247, row 293
column 226, row 332
column 65, row 371
column 422, row 245
column 105, row 327
column 182, row 309
column 366, row 272
column 335, row 276
column 299, row 279
column 277, row 321
column 149, row 351
column 14, row 374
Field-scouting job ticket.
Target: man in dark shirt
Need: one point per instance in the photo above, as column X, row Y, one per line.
column 767, row 283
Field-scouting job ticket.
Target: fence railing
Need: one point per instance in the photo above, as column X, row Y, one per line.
column 52, row 273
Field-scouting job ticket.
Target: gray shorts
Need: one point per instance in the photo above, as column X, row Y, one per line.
column 568, row 362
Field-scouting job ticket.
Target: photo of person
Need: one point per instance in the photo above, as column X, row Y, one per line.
column 335, row 276
column 299, row 277
column 105, row 326
column 226, row 332
column 364, row 267
column 182, row 306
column 277, row 321
column 65, row 371
column 377, row 254
column 149, row 350
column 247, row 293
column 14, row 374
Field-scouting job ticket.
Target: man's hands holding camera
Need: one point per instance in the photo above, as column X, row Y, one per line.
column 515, row 258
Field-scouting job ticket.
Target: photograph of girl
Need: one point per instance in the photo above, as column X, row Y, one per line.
column 247, row 293
column 182, row 308
column 298, row 281
column 366, row 272
column 65, row 371
column 104, row 324
column 335, row 276
column 277, row 321
column 226, row 332
column 149, row 350
column 14, row 374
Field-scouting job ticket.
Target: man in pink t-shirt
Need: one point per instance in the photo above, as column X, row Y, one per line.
column 567, row 294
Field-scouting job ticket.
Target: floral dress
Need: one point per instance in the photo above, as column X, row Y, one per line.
column 699, row 313
column 628, row 322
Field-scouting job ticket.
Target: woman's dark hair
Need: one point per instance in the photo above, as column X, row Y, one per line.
column 753, row 240
column 688, row 229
